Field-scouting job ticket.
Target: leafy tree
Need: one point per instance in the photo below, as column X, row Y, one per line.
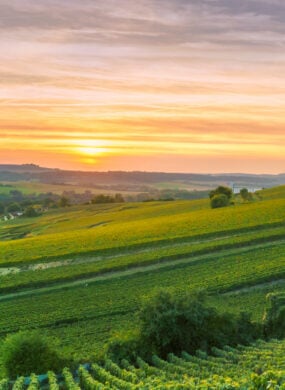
column 64, row 202
column 30, row 212
column 16, row 195
column 13, row 207
column 2, row 208
column 23, row 353
column 219, row 201
column 274, row 317
column 221, row 190
column 245, row 194
column 119, row 198
column 100, row 199
column 48, row 202
column 172, row 324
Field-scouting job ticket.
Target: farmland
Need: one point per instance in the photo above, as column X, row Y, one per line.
column 187, row 372
column 78, row 274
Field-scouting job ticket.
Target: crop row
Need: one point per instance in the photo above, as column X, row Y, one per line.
column 105, row 301
column 143, row 231
column 95, row 266
column 244, row 368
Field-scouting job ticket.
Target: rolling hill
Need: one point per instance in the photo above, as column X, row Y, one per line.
column 79, row 273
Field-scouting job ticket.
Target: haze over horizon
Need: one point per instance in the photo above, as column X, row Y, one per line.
column 156, row 85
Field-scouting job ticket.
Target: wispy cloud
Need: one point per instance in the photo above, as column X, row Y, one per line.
column 142, row 73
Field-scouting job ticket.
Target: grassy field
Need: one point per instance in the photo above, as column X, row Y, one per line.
column 80, row 273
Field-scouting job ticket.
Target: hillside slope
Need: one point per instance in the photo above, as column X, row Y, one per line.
column 80, row 273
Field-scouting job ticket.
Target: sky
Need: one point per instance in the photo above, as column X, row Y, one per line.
column 150, row 85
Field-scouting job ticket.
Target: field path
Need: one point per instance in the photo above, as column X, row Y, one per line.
column 140, row 269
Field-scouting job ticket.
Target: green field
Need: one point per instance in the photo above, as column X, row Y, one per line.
column 79, row 273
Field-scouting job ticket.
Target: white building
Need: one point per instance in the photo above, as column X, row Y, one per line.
column 236, row 188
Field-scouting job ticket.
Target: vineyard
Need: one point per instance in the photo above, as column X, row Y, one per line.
column 80, row 273
column 259, row 366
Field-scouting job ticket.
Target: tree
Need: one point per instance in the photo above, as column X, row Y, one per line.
column 221, row 190
column 23, row 353
column 219, row 201
column 220, row 197
column 119, row 198
column 100, row 199
column 172, row 323
column 2, row 208
column 64, row 202
column 245, row 194
column 274, row 317
column 30, row 212
column 13, row 207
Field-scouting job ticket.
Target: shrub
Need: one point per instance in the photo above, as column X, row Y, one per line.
column 23, row 353
column 221, row 190
column 219, row 201
column 30, row 212
column 124, row 345
column 173, row 324
column 274, row 317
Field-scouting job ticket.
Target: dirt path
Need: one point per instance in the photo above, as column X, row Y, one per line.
column 257, row 287
column 137, row 270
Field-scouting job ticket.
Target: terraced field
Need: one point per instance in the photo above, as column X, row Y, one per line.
column 260, row 366
column 80, row 273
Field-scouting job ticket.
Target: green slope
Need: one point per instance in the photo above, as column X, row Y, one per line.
column 81, row 272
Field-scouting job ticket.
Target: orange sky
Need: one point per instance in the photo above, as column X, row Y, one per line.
column 160, row 85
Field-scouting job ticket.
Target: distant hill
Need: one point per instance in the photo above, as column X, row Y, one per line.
column 136, row 179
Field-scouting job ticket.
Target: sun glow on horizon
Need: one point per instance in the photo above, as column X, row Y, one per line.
column 91, row 147
column 85, row 85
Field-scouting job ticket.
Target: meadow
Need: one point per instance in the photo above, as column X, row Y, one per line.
column 79, row 273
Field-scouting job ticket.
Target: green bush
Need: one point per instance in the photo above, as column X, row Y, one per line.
column 219, row 201
column 274, row 317
column 125, row 345
column 221, row 190
column 23, row 353
column 173, row 324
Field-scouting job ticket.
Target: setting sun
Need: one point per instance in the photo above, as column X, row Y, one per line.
column 91, row 147
column 91, row 151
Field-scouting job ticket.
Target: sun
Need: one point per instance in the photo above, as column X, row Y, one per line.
column 91, row 151
column 91, row 147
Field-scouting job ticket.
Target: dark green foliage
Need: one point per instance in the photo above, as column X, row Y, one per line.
column 101, row 199
column 119, row 198
column 23, row 353
column 173, row 324
column 2, row 208
column 219, row 201
column 125, row 345
column 13, row 207
column 64, row 202
column 245, row 194
column 274, row 317
column 30, row 212
column 221, row 190
column 220, row 197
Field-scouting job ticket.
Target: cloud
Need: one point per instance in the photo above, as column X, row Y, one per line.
column 191, row 67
